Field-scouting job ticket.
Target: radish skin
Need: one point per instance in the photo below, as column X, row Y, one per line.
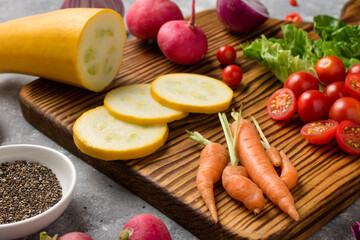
column 77, row 46
column 183, row 42
column 145, row 227
column 145, row 17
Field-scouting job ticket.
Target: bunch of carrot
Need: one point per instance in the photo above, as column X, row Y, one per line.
column 257, row 175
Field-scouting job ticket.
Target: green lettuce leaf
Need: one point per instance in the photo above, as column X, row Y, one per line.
column 296, row 52
column 280, row 61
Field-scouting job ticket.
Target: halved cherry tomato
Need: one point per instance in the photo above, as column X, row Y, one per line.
column 293, row 17
column 354, row 69
column 226, row 55
column 232, row 75
column 330, row 69
column 300, row 82
column 346, row 108
column 335, row 90
column 313, row 105
column 352, row 84
column 348, row 136
column 320, row 132
column 281, row 104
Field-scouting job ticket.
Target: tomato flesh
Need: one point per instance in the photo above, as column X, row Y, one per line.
column 330, row 69
column 352, row 84
column 282, row 104
column 232, row 75
column 348, row 136
column 226, row 55
column 320, row 132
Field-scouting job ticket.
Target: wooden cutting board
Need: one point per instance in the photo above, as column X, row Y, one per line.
column 329, row 179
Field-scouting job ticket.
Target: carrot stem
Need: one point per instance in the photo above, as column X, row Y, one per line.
column 196, row 136
column 229, row 139
column 264, row 142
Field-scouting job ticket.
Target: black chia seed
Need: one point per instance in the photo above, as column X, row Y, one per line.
column 26, row 190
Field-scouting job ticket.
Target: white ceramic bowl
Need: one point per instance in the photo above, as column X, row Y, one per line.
column 66, row 174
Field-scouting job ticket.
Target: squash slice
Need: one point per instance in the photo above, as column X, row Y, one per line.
column 191, row 93
column 133, row 103
column 77, row 46
column 98, row 134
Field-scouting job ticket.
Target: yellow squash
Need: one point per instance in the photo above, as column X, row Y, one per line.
column 77, row 46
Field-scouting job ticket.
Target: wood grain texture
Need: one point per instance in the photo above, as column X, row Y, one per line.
column 329, row 179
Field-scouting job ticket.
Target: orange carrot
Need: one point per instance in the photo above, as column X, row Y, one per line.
column 213, row 159
column 260, row 169
column 237, row 184
column 289, row 173
column 272, row 152
column 235, row 178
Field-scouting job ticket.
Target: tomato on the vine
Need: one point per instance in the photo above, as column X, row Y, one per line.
column 281, row 104
column 352, row 84
column 335, row 91
column 346, row 108
column 330, row 69
column 300, row 82
column 313, row 105
column 232, row 75
column 226, row 55
column 354, row 69
column 320, row 132
column 348, row 136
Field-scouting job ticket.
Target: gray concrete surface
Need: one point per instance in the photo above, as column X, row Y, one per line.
column 101, row 207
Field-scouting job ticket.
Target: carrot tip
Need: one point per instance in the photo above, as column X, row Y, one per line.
column 257, row 211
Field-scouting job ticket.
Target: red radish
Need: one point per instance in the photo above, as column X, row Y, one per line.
column 145, row 17
column 145, row 227
column 183, row 42
column 75, row 236
column 68, row 236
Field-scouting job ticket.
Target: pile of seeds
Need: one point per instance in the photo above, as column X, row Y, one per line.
column 26, row 189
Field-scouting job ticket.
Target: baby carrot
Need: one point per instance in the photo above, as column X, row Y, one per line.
column 260, row 169
column 235, row 178
column 272, row 152
column 288, row 172
column 213, row 159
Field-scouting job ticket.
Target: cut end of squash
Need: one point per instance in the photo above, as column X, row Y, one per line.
column 98, row 134
column 134, row 103
column 192, row 93
column 100, row 50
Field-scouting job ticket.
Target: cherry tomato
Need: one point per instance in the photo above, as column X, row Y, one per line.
column 226, row 55
column 232, row 75
column 352, row 84
column 348, row 136
column 300, row 82
column 354, row 69
column 313, row 105
column 293, row 3
column 346, row 108
column 320, row 132
column 282, row 104
column 335, row 91
column 330, row 69
column 293, row 17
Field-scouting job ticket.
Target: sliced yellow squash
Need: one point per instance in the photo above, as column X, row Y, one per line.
column 191, row 93
column 98, row 134
column 133, row 103
column 77, row 46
